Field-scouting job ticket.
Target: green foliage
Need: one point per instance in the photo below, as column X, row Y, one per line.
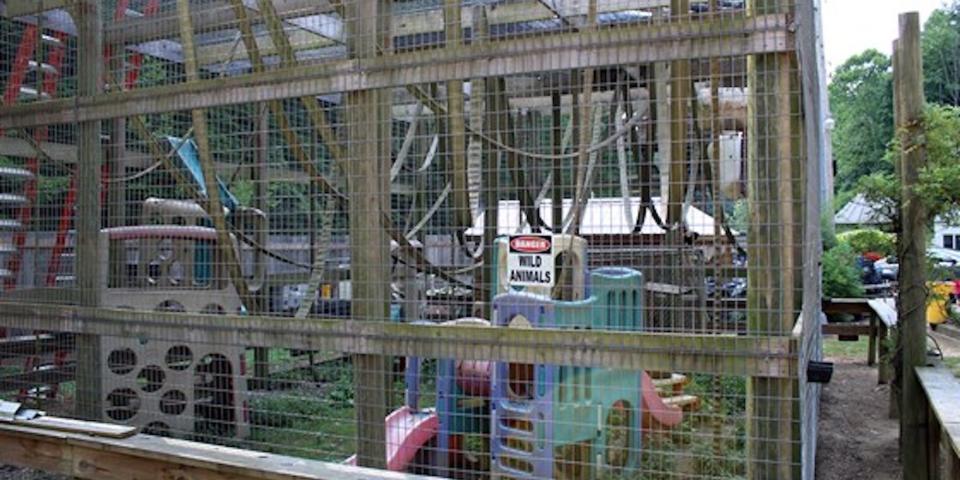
column 841, row 277
column 938, row 180
column 937, row 184
column 941, row 56
column 882, row 191
column 828, row 235
column 861, row 98
column 869, row 240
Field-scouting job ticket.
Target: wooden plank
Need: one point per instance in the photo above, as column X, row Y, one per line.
column 89, row 457
column 560, row 51
column 851, row 306
column 848, row 329
column 95, row 429
column 721, row 354
column 912, row 255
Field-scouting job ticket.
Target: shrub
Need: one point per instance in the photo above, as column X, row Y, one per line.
column 841, row 277
column 869, row 240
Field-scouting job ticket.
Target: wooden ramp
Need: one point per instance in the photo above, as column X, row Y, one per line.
column 80, row 449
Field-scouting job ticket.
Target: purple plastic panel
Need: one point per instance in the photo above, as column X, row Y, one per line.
column 534, row 406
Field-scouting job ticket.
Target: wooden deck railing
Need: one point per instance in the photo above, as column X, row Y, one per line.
column 942, row 390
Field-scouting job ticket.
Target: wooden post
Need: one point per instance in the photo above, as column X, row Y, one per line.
column 457, row 144
column 884, row 371
column 660, row 110
column 491, row 172
column 775, row 248
column 934, row 433
column 896, row 364
column 914, row 444
column 951, row 464
column 89, row 160
column 680, row 94
column 117, row 167
column 368, row 177
column 556, row 190
column 584, row 129
column 261, row 192
column 872, row 341
column 226, row 253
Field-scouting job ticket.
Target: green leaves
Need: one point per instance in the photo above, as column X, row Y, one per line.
column 841, row 277
column 941, row 56
column 861, row 97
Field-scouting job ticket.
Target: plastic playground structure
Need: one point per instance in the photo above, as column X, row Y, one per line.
column 539, row 416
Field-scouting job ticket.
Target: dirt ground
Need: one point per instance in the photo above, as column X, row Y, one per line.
column 857, row 439
column 8, row 472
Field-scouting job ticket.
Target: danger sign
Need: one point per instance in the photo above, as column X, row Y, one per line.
column 530, row 261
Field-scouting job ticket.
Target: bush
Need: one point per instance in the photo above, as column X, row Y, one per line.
column 869, row 240
column 841, row 277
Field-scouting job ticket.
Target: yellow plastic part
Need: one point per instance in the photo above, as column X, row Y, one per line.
column 938, row 303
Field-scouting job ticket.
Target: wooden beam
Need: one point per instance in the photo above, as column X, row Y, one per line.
column 368, row 173
column 560, row 51
column 210, row 17
column 214, row 208
column 775, row 247
column 67, row 154
column 88, row 218
column 19, row 8
column 767, row 356
column 681, row 93
column 233, row 50
column 456, row 142
column 81, row 455
column 909, row 98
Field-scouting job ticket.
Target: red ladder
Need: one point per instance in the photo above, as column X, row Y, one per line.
column 16, row 90
column 135, row 62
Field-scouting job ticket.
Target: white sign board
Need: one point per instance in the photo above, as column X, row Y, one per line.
column 530, row 261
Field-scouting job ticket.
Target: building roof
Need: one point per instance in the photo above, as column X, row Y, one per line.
column 602, row 216
column 860, row 211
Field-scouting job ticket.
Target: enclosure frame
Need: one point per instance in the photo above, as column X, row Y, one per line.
column 776, row 360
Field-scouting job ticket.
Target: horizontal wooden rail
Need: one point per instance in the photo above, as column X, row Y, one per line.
column 942, row 390
column 146, row 456
column 632, row 44
column 757, row 356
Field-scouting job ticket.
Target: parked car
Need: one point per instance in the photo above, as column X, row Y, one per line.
column 946, row 264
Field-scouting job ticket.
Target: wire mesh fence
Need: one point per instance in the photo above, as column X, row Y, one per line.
column 523, row 239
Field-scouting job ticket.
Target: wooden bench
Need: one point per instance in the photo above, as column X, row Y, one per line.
column 881, row 317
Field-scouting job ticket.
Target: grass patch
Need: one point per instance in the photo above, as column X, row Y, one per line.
column 301, row 425
column 833, row 348
column 953, row 363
